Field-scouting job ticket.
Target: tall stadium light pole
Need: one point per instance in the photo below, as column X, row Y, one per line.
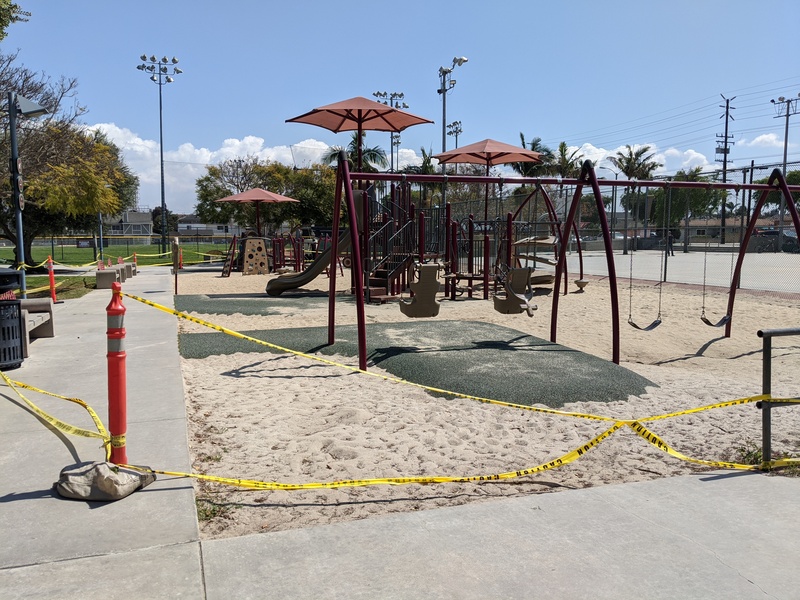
column 446, row 83
column 395, row 139
column 19, row 105
column 161, row 75
column 787, row 106
column 455, row 130
column 392, row 99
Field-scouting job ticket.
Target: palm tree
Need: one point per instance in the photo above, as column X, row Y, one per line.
column 531, row 169
column 635, row 164
column 566, row 164
column 426, row 168
column 371, row 158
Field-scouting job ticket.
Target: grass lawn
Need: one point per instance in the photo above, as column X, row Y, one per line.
column 72, row 256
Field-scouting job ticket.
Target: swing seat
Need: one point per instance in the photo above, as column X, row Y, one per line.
column 425, row 287
column 650, row 327
column 518, row 294
column 723, row 321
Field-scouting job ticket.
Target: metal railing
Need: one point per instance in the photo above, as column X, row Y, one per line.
column 766, row 388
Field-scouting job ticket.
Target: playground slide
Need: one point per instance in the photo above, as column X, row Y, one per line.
column 275, row 287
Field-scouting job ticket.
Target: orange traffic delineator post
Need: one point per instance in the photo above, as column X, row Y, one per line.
column 52, row 279
column 117, row 379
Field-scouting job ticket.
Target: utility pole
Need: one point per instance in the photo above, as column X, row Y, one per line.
column 790, row 106
column 724, row 150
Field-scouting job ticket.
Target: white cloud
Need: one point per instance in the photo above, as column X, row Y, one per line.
column 184, row 165
column 767, row 140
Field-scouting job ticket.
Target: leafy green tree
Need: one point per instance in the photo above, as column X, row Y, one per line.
column 313, row 187
column 668, row 208
column 88, row 178
column 171, row 219
column 71, row 174
column 774, row 198
column 372, row 158
column 10, row 12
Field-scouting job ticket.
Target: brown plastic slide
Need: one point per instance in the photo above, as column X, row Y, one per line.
column 290, row 281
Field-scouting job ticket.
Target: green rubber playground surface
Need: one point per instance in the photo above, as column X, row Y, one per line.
column 247, row 304
column 474, row 358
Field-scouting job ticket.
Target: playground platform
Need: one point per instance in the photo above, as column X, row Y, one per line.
column 710, row 535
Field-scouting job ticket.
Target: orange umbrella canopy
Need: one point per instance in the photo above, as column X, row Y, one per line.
column 257, row 196
column 359, row 114
column 488, row 152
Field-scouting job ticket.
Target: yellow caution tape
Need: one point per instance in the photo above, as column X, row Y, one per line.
column 635, row 424
column 656, row 441
column 253, row 484
column 428, row 388
column 101, row 432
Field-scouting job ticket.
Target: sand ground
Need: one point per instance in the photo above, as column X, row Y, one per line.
column 293, row 420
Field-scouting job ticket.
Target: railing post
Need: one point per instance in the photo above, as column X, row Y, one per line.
column 117, row 380
column 453, row 257
column 421, row 234
column 486, row 266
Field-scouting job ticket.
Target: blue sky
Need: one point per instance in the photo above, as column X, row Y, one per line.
column 597, row 75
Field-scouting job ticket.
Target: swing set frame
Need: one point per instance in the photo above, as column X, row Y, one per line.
column 587, row 178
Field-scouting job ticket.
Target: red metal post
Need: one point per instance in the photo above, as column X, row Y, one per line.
column 447, row 253
column 509, row 239
column 453, row 257
column 471, row 247
column 117, row 380
column 52, row 276
column 421, row 240
column 486, row 266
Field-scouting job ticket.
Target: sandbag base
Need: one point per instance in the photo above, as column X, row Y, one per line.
column 100, row 481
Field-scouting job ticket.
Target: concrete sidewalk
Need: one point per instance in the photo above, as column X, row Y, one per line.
column 714, row 535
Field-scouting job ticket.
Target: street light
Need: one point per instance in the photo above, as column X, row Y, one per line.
column 161, row 75
column 790, row 106
column 19, row 105
column 392, row 99
column 446, row 83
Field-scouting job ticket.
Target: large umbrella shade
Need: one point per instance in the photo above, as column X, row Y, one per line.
column 258, row 197
column 489, row 153
column 359, row 114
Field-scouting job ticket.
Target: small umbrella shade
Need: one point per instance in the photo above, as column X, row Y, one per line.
column 359, row 114
column 258, row 197
column 489, row 153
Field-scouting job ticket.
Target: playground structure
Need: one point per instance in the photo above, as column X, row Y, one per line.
column 393, row 235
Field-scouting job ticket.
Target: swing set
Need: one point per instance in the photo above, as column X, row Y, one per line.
column 587, row 178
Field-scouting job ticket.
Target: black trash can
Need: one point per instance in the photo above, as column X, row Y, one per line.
column 10, row 334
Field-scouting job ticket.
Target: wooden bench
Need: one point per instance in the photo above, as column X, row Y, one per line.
column 37, row 319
